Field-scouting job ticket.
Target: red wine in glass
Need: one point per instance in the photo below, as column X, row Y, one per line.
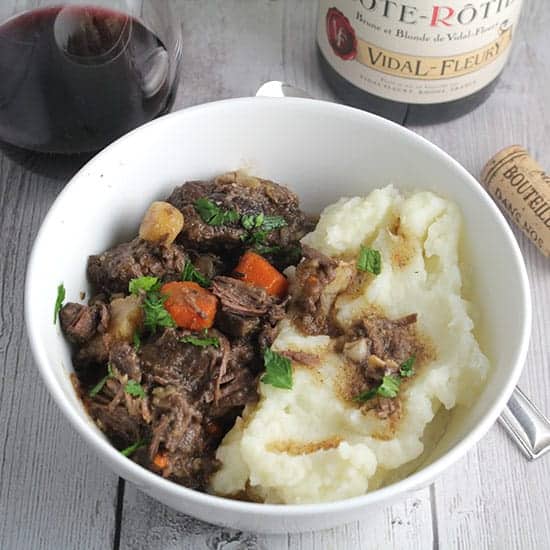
column 73, row 79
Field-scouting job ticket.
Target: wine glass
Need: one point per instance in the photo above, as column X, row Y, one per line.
column 76, row 75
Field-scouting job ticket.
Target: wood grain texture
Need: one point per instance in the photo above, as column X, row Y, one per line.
column 55, row 494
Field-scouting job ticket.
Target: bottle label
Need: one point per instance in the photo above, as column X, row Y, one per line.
column 417, row 51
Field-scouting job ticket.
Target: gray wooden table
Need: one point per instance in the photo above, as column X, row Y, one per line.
column 55, row 494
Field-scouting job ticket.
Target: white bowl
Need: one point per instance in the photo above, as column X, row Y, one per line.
column 323, row 151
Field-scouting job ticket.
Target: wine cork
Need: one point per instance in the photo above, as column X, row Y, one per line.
column 522, row 188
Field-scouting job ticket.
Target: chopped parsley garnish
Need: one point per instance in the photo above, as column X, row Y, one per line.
column 145, row 283
column 278, row 370
column 390, row 383
column 137, row 341
column 129, row 451
column 135, row 389
column 257, row 237
column 212, row 214
column 263, row 225
column 99, row 386
column 252, row 221
column 369, row 260
column 257, row 226
column 58, row 302
column 201, row 342
column 155, row 314
column 366, row 395
column 389, row 387
column 191, row 273
column 406, row 369
column 270, row 223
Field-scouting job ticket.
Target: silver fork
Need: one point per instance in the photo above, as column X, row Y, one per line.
column 523, row 421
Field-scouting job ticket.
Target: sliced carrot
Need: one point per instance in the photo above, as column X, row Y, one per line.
column 191, row 306
column 257, row 271
column 160, row 460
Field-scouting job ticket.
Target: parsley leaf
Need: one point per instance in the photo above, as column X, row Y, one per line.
column 406, row 369
column 129, row 451
column 366, row 395
column 270, row 223
column 212, row 214
column 135, row 389
column 137, row 341
column 201, row 342
column 145, row 283
column 99, row 386
column 278, row 370
column 251, row 221
column 155, row 313
column 191, row 273
column 389, row 386
column 369, row 260
column 258, row 237
column 58, row 302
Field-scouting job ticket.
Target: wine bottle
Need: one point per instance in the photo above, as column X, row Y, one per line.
column 423, row 61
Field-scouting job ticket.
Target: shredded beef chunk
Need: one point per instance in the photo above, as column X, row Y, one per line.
column 124, row 358
column 377, row 346
column 246, row 310
column 391, row 339
column 111, row 271
column 94, row 352
column 236, row 325
column 80, row 323
column 244, row 195
column 319, row 280
column 241, row 298
column 194, row 389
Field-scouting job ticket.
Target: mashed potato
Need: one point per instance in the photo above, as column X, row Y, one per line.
column 308, row 444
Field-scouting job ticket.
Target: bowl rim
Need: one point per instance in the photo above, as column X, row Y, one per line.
column 147, row 479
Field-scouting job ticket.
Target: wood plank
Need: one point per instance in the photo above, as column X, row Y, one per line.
column 494, row 498
column 53, row 493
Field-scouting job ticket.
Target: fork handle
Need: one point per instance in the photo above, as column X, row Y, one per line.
column 527, row 425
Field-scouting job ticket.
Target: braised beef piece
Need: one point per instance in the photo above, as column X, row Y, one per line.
column 209, row 265
column 111, row 271
column 246, row 310
column 119, row 426
column 391, row 339
column 193, row 395
column 124, row 358
column 313, row 274
column 236, row 325
column 93, row 352
column 193, row 386
column 80, row 323
column 242, row 306
column 377, row 347
column 242, row 298
column 245, row 195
